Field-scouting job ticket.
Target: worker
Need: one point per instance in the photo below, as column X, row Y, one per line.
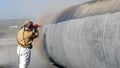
column 26, row 35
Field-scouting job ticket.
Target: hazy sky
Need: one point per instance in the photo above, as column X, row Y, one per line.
column 10, row 9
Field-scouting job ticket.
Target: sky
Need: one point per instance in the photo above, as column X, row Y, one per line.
column 11, row 9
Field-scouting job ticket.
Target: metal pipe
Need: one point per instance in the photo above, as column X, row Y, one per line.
column 85, row 36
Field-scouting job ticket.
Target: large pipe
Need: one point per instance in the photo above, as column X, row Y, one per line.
column 85, row 36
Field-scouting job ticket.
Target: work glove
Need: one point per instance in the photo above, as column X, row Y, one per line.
column 34, row 30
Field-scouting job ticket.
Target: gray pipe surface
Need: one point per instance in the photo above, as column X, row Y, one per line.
column 85, row 36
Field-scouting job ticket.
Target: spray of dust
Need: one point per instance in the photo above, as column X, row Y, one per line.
column 50, row 18
column 38, row 43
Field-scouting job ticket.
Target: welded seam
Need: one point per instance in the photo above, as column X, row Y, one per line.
column 104, row 36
